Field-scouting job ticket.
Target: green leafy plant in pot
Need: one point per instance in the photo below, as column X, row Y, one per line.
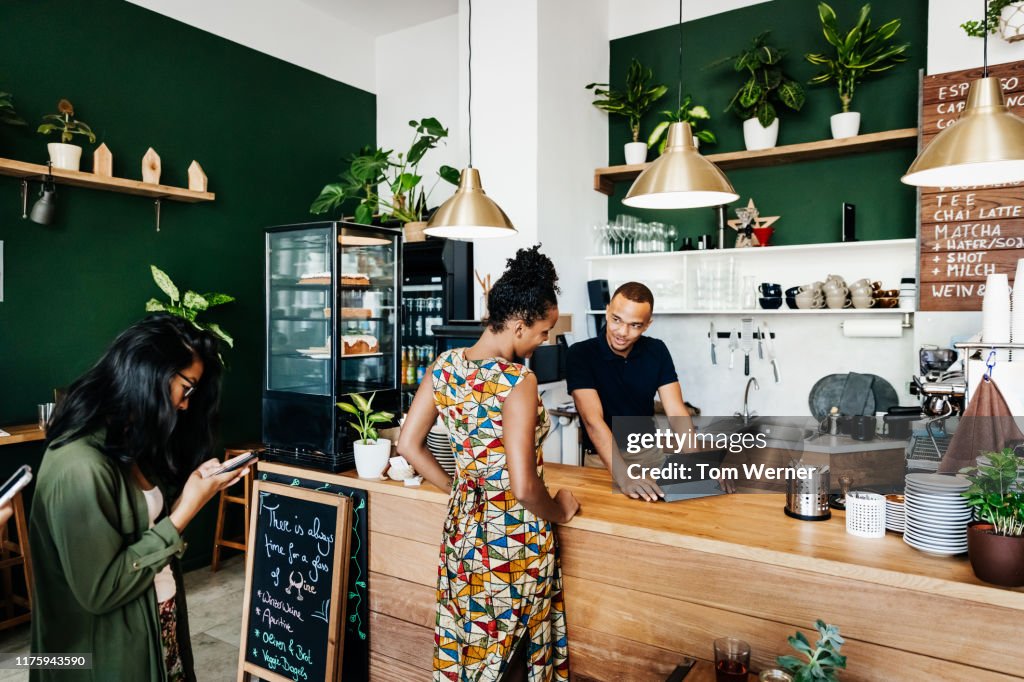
column 632, row 103
column 64, row 155
column 372, row 168
column 995, row 543
column 860, row 53
column 371, row 451
column 820, row 663
column 767, row 85
column 1005, row 17
column 694, row 114
column 8, row 114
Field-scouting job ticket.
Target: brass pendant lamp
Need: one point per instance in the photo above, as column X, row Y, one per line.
column 985, row 146
column 680, row 177
column 469, row 213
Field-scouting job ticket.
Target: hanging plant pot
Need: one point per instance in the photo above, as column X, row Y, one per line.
column 846, row 124
column 756, row 136
column 636, row 152
column 996, row 559
column 64, row 156
column 1011, row 22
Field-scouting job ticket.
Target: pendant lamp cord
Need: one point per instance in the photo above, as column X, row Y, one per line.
column 984, row 4
column 679, row 100
column 469, row 97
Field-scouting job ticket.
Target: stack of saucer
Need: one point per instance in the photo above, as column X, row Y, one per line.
column 936, row 514
column 895, row 518
column 440, row 445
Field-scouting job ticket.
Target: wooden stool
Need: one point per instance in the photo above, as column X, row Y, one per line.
column 15, row 554
column 239, row 543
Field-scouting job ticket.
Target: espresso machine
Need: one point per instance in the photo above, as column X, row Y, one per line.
column 942, row 389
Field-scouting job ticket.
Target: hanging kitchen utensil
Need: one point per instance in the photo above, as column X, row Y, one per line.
column 733, row 345
column 714, row 337
column 747, row 341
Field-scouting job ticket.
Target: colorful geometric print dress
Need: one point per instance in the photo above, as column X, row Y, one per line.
column 498, row 581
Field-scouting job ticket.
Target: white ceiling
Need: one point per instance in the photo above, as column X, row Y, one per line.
column 380, row 17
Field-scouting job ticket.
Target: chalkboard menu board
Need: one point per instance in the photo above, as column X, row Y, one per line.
column 967, row 233
column 296, row 568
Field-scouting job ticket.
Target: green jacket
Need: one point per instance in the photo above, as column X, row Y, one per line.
column 94, row 558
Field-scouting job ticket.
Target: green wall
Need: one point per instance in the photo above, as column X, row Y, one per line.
column 268, row 134
column 807, row 195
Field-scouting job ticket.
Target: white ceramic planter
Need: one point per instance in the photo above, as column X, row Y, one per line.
column 846, row 124
column 696, row 142
column 636, row 152
column 372, row 457
column 756, row 136
column 65, row 156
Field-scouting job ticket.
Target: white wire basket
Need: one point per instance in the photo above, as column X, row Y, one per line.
column 865, row 514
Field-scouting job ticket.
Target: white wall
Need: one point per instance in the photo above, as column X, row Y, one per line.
column 950, row 49
column 627, row 17
column 573, row 140
column 418, row 76
column 292, row 31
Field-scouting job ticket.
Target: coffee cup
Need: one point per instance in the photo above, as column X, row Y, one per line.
column 770, row 302
column 886, row 302
column 792, row 291
column 835, row 279
column 806, row 300
column 860, row 290
column 791, row 302
column 835, row 302
column 866, row 284
column 862, row 301
column 835, row 288
column 769, row 289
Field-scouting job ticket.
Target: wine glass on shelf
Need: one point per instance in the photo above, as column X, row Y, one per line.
column 671, row 233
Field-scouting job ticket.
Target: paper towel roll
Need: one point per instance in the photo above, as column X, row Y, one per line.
column 890, row 328
column 995, row 313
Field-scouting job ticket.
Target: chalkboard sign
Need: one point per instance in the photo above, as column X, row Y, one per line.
column 967, row 233
column 296, row 568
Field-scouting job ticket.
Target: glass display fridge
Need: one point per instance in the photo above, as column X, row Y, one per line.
column 332, row 291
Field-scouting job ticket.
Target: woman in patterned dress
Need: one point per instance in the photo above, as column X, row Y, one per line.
column 500, row 612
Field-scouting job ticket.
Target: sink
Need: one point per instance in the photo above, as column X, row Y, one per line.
column 778, row 432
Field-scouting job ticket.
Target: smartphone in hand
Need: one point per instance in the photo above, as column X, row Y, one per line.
column 234, row 464
column 18, row 480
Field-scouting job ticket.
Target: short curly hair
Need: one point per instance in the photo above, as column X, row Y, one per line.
column 527, row 290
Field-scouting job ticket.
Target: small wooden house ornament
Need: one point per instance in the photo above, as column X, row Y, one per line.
column 196, row 177
column 103, row 162
column 151, row 167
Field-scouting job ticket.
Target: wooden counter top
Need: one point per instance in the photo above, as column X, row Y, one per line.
column 22, row 433
column 751, row 527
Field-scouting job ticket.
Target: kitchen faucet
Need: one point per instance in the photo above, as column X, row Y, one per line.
column 746, row 414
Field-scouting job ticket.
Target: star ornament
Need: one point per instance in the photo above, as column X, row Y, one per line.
column 746, row 221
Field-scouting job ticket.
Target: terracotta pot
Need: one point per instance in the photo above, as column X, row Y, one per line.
column 413, row 232
column 996, row 559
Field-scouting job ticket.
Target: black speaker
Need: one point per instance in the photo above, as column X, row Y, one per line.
column 599, row 297
column 849, row 222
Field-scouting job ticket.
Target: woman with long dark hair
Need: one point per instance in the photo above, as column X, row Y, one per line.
column 500, row 612
column 131, row 435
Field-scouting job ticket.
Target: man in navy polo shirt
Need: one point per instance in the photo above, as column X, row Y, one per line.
column 617, row 374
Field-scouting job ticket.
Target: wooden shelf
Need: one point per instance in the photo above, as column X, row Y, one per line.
column 605, row 178
column 22, row 169
column 22, row 433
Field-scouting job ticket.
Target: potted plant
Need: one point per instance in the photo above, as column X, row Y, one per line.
column 188, row 306
column 766, row 86
column 820, row 664
column 632, row 103
column 406, row 199
column 859, row 53
column 1004, row 16
column 372, row 451
column 63, row 154
column 995, row 542
column 687, row 113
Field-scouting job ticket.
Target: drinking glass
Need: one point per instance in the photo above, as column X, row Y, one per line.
column 732, row 660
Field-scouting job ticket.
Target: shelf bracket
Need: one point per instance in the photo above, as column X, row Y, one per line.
column 156, row 204
column 24, row 198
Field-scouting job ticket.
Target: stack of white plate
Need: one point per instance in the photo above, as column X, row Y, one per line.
column 895, row 518
column 936, row 514
column 440, row 445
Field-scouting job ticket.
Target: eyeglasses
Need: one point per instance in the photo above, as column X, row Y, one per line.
column 191, row 386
